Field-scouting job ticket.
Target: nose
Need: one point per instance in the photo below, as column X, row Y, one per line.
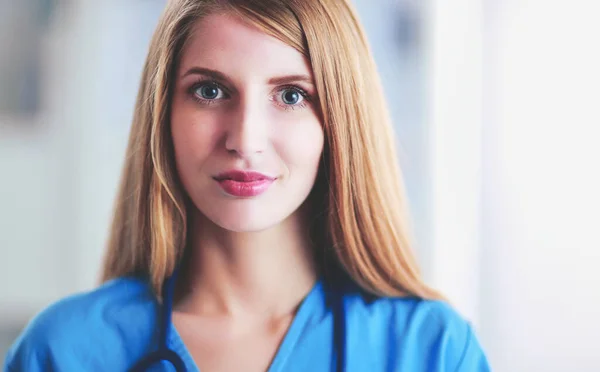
column 247, row 130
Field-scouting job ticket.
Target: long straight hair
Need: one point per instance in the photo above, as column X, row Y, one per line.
column 358, row 197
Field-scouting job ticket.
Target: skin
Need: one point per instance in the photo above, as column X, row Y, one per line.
column 250, row 264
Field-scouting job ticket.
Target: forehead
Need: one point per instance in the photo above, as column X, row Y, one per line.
column 223, row 42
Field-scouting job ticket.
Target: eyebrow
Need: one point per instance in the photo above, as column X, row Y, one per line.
column 273, row 81
column 289, row 79
column 206, row 72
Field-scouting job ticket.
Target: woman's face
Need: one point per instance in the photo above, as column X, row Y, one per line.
column 245, row 130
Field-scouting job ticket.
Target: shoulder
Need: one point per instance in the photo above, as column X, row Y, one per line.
column 427, row 335
column 80, row 330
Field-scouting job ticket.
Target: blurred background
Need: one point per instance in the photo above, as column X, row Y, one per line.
column 496, row 105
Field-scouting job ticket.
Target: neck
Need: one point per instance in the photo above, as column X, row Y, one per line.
column 264, row 273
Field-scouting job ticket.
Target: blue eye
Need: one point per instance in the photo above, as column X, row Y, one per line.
column 208, row 91
column 291, row 96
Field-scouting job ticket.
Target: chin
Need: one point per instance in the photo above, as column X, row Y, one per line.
column 244, row 223
column 244, row 220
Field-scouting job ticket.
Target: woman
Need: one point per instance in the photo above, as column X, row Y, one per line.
column 259, row 225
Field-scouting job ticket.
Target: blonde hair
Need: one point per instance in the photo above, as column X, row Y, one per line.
column 359, row 192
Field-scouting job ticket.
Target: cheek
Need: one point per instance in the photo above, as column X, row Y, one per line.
column 194, row 135
column 300, row 145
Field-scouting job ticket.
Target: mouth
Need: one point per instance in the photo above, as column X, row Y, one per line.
column 244, row 184
column 243, row 176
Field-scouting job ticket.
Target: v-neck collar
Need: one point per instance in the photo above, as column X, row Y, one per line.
column 297, row 327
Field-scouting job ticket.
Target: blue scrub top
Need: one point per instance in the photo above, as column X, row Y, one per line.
column 114, row 326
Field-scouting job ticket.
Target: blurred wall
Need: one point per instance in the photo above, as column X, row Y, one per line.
column 540, row 293
column 453, row 70
column 59, row 165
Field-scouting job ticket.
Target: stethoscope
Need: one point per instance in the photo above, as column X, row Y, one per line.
column 164, row 353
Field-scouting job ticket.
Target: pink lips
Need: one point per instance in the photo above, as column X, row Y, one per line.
column 244, row 184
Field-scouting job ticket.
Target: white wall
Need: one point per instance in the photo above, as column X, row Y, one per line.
column 514, row 92
column 453, row 67
column 37, row 165
column 540, row 297
column 59, row 170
